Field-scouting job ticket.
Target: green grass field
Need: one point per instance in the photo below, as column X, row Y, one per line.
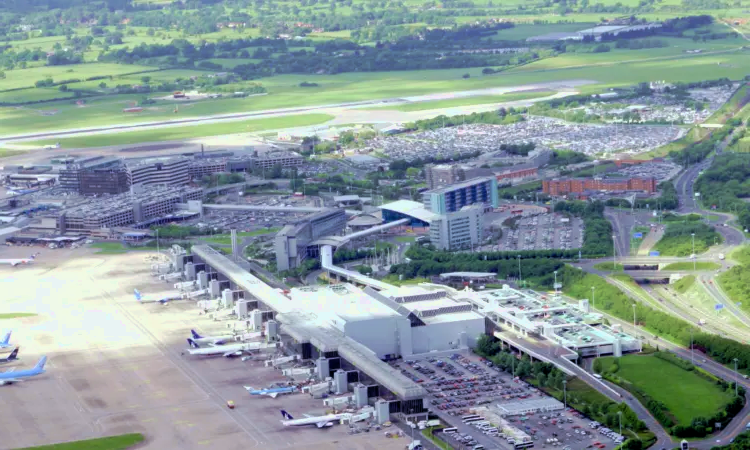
column 609, row 267
column 23, row 78
column 16, row 315
column 684, row 393
column 188, row 132
column 284, row 90
column 699, row 265
column 120, row 442
column 225, row 239
column 683, row 284
column 467, row 101
column 116, row 248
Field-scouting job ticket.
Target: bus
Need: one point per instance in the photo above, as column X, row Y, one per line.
column 475, row 419
column 450, row 430
column 470, row 416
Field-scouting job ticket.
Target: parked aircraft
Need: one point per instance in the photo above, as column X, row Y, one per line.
column 224, row 350
column 320, row 421
column 162, row 300
column 10, row 358
column 15, row 262
column 211, row 340
column 11, row 376
column 271, row 392
column 5, row 343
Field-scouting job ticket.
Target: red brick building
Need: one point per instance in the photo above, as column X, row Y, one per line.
column 580, row 185
column 511, row 174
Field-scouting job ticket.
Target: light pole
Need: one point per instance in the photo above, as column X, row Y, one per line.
column 614, row 252
column 593, row 296
column 736, row 377
column 565, row 393
column 692, row 354
column 555, row 286
column 520, row 277
column 634, row 325
column 692, row 235
column 619, row 418
column 157, row 241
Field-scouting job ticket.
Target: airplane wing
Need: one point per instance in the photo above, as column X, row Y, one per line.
column 273, row 394
column 10, row 370
column 233, row 353
column 307, row 415
column 321, row 424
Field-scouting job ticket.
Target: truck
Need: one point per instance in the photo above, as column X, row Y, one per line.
column 721, row 256
column 414, row 445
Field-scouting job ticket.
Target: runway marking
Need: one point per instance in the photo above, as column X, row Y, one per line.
column 133, row 406
column 148, row 420
column 204, row 442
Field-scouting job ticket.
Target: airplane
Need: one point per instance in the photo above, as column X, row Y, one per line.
column 10, row 376
column 15, row 262
column 320, row 421
column 5, row 343
column 52, row 146
column 163, row 301
column 10, row 358
column 211, row 340
column 271, row 392
column 224, row 350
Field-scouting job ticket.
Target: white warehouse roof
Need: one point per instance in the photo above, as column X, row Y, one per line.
column 410, row 208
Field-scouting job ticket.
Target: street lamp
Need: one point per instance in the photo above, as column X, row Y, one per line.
column 736, row 377
column 692, row 235
column 157, row 241
column 634, row 325
column 619, row 418
column 565, row 393
column 520, row 277
column 692, row 357
column 593, row 296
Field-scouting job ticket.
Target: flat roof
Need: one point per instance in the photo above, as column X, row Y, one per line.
column 468, row 274
column 410, row 208
column 461, row 185
column 521, row 406
column 344, row 301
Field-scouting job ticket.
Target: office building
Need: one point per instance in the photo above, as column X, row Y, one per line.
column 565, row 186
column 292, row 241
column 282, row 158
column 173, row 171
column 480, row 190
column 95, row 176
column 458, row 230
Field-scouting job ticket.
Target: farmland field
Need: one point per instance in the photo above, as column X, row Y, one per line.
column 189, row 132
column 685, row 394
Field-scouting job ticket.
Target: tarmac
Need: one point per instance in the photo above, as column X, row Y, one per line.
column 115, row 366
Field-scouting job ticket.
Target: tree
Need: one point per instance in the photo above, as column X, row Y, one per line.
column 145, row 79
column 466, row 75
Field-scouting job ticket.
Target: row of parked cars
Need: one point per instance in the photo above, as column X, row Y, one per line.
column 617, row 437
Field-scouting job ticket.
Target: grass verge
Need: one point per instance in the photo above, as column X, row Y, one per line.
column 393, row 279
column 683, row 284
column 120, row 442
column 226, row 239
column 189, row 132
column 116, row 248
column 685, row 394
column 702, row 265
column 609, row 267
column 429, row 433
column 16, row 315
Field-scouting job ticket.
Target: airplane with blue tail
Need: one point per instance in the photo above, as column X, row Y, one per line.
column 11, row 376
column 163, row 300
column 271, row 392
column 13, row 356
column 5, row 343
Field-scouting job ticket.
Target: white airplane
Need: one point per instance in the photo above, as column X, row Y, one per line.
column 15, row 262
column 52, row 146
column 320, row 421
column 211, row 340
column 224, row 350
column 162, row 300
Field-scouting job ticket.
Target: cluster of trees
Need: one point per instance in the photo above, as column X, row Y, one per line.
column 567, row 157
column 597, row 236
column 641, row 43
column 667, row 200
column 550, row 379
column 177, row 232
column 698, row 151
column 726, row 183
column 499, row 117
column 221, row 179
column 426, row 261
column 522, row 149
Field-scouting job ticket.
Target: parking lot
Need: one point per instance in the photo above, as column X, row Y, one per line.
column 115, row 366
column 662, row 171
column 543, row 232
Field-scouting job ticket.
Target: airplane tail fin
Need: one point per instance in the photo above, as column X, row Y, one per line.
column 137, row 294
column 193, row 343
column 249, row 388
column 6, row 339
column 195, row 335
column 13, row 355
column 286, row 415
column 40, row 365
